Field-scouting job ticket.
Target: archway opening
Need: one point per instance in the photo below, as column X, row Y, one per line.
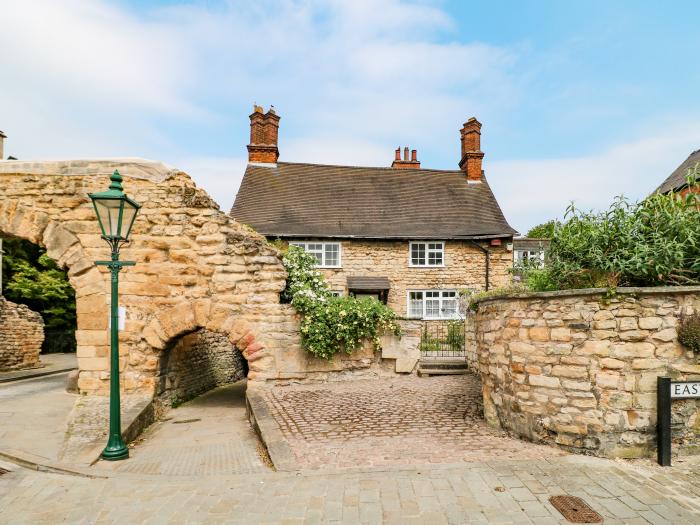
column 197, row 362
column 31, row 278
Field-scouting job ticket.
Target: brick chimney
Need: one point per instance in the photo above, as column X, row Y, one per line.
column 264, row 129
column 2, row 145
column 405, row 163
column 471, row 149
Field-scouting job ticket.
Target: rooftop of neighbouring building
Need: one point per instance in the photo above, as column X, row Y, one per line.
column 677, row 179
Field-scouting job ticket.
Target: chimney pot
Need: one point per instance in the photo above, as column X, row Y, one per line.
column 2, row 145
column 405, row 163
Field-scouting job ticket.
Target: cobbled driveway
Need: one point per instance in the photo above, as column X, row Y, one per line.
column 392, row 421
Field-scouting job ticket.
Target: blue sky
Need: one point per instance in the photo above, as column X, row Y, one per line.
column 580, row 101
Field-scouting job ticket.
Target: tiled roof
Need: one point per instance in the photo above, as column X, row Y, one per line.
column 368, row 283
column 530, row 243
column 314, row 200
column 677, row 179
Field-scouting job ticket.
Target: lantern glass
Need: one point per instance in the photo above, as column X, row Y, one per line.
column 128, row 217
column 115, row 211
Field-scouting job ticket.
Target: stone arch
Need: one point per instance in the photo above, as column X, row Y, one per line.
column 186, row 317
column 64, row 247
column 191, row 326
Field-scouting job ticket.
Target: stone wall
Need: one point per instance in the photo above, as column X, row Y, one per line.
column 465, row 267
column 195, row 267
column 21, row 336
column 198, row 362
column 578, row 368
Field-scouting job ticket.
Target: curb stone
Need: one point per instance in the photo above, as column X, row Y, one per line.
column 269, row 432
column 36, row 374
column 40, row 464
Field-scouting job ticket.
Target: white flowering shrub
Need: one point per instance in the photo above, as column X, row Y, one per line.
column 331, row 324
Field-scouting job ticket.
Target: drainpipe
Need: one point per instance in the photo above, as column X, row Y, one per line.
column 486, row 256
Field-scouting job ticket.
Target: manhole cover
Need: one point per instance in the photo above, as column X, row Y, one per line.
column 186, row 421
column 575, row 509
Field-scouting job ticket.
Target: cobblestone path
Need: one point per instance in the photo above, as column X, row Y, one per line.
column 500, row 492
column 392, row 421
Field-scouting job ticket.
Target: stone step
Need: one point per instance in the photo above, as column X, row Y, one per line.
column 430, row 367
column 442, row 371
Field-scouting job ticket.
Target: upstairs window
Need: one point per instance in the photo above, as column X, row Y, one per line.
column 432, row 304
column 327, row 253
column 532, row 257
column 427, row 253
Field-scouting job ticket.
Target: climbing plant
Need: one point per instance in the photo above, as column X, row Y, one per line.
column 329, row 324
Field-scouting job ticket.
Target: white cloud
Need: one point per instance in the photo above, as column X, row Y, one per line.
column 534, row 191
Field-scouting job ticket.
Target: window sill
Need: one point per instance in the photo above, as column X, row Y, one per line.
column 427, row 265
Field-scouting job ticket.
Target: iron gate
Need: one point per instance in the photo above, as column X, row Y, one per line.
column 443, row 339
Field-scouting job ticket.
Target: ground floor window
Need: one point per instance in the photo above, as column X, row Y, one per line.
column 432, row 304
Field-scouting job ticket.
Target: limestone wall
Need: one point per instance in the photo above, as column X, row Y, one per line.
column 465, row 267
column 195, row 267
column 578, row 368
column 21, row 336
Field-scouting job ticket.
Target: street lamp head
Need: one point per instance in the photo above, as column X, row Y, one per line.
column 115, row 211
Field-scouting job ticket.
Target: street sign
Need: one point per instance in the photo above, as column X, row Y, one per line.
column 685, row 389
column 666, row 391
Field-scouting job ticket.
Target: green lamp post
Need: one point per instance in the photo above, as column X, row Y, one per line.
column 116, row 214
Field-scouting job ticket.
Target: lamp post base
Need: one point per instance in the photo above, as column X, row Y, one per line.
column 115, row 453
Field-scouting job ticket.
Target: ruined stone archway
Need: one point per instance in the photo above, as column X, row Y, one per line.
column 196, row 268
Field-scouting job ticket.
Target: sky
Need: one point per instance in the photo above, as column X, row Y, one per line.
column 580, row 101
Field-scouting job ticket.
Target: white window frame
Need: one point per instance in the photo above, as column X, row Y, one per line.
column 428, row 251
column 531, row 256
column 337, row 293
column 305, row 244
column 441, row 298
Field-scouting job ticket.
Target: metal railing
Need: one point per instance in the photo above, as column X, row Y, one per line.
column 443, row 339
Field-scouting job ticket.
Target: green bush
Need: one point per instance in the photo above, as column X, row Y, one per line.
column 689, row 331
column 649, row 243
column 331, row 324
column 455, row 334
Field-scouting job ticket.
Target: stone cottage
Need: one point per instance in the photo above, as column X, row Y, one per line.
column 411, row 237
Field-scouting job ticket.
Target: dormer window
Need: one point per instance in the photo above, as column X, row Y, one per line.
column 429, row 253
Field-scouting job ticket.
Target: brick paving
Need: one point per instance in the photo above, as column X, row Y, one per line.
column 209, row 435
column 392, row 421
column 496, row 492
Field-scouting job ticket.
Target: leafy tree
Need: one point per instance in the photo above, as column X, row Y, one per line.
column 32, row 278
column 544, row 230
column 648, row 243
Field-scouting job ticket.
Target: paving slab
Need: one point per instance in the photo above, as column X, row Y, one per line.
column 209, row 435
column 33, row 415
column 466, row 493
